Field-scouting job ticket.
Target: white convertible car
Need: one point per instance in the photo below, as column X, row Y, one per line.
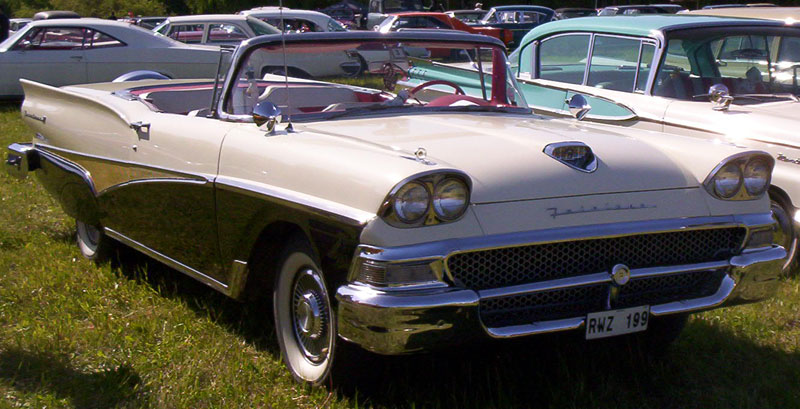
column 76, row 51
column 373, row 217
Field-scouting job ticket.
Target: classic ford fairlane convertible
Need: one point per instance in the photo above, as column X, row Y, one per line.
column 400, row 222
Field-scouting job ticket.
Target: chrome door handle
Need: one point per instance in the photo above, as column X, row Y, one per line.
column 76, row 57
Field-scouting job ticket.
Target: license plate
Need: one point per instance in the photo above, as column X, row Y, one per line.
column 617, row 322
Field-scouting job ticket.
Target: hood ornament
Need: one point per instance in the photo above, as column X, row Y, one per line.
column 576, row 155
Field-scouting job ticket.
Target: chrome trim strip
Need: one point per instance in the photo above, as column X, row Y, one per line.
column 542, row 327
column 155, row 180
column 445, row 248
column 596, row 278
column 325, row 208
column 68, row 166
column 177, row 265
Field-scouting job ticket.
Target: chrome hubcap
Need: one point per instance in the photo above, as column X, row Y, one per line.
column 310, row 315
column 91, row 234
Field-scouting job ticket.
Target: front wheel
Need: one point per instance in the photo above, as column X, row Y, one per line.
column 304, row 319
column 93, row 242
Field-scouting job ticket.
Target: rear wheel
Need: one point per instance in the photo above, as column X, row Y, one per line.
column 785, row 234
column 93, row 242
column 304, row 319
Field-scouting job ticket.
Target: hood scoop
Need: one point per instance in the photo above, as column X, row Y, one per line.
column 576, row 155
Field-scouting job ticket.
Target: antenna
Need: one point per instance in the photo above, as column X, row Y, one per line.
column 223, row 49
column 285, row 69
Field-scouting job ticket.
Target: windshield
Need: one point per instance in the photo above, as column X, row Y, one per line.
column 5, row 45
column 748, row 61
column 333, row 79
column 261, row 28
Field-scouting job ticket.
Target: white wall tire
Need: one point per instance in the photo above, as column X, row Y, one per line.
column 304, row 318
column 92, row 241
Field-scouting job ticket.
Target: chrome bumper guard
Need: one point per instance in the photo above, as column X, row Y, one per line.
column 396, row 321
column 21, row 159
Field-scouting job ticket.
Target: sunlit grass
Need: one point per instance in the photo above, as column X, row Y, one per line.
column 138, row 335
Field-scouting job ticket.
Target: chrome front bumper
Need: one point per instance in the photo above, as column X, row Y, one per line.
column 21, row 159
column 396, row 321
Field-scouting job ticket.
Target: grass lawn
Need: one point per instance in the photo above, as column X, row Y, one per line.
column 138, row 335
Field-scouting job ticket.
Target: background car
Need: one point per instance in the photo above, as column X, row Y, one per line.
column 76, row 51
column 352, row 15
column 295, row 21
column 15, row 24
column 379, row 10
column 467, row 16
column 148, row 22
column 573, row 12
column 213, row 29
column 518, row 19
column 769, row 13
column 634, row 10
column 441, row 21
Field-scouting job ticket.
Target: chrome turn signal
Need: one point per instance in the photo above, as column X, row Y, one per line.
column 745, row 176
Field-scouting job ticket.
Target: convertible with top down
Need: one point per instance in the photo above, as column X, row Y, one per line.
column 383, row 217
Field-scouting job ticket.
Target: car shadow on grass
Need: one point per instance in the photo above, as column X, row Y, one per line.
column 706, row 367
column 44, row 373
column 251, row 320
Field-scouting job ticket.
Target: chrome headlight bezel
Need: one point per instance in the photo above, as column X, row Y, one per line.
column 741, row 164
column 433, row 182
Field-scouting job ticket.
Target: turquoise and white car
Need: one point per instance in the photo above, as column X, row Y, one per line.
column 730, row 80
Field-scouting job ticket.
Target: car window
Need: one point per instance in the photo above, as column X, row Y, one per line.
column 334, row 25
column 563, row 58
column 162, row 28
column 614, row 63
column 645, row 64
column 742, row 62
column 531, row 17
column 187, row 33
column 261, row 28
column 52, row 38
column 225, row 33
column 394, row 6
column 96, row 39
column 293, row 25
column 418, row 22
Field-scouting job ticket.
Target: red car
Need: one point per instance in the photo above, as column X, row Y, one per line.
column 432, row 20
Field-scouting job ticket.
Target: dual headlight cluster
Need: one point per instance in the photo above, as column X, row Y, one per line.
column 427, row 199
column 745, row 176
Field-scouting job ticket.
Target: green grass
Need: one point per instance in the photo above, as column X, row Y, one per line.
column 138, row 335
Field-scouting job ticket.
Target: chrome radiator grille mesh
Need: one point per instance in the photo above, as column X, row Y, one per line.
column 525, row 264
column 579, row 301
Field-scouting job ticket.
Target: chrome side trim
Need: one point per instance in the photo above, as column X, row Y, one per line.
column 596, row 278
column 69, row 166
column 297, row 200
column 177, row 265
column 443, row 249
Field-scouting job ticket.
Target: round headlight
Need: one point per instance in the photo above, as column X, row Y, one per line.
column 450, row 198
column 728, row 180
column 756, row 177
column 411, row 202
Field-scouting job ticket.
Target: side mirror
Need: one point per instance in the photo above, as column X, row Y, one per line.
column 720, row 97
column 266, row 114
column 578, row 106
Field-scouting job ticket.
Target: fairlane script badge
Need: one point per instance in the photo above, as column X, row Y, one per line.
column 554, row 212
column 783, row 158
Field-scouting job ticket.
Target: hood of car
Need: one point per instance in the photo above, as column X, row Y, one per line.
column 505, row 155
column 771, row 122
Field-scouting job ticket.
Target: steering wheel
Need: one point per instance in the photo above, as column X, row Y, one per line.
column 420, row 87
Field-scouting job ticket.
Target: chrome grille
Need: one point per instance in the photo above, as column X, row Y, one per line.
column 579, row 301
column 525, row 264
